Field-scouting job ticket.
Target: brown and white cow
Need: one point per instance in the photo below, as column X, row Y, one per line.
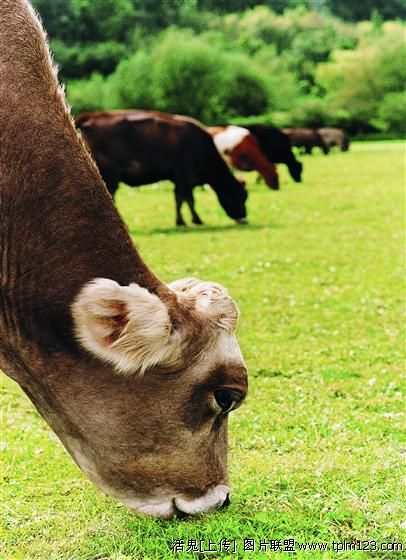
column 241, row 150
column 276, row 146
column 135, row 376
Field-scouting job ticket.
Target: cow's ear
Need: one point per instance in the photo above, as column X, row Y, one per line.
column 126, row 326
column 211, row 301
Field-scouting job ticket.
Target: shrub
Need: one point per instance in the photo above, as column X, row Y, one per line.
column 87, row 95
column 183, row 74
column 130, row 86
column 244, row 91
column 360, row 80
column 310, row 112
column 393, row 111
column 77, row 61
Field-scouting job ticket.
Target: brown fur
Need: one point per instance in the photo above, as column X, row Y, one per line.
column 59, row 230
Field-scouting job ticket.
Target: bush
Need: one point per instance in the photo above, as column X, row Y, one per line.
column 310, row 112
column 188, row 76
column 82, row 60
column 360, row 80
column 183, row 74
column 244, row 92
column 130, row 86
column 393, row 111
column 87, row 95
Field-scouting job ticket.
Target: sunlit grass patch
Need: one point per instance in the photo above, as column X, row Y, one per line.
column 316, row 451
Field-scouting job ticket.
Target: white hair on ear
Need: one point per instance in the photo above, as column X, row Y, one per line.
column 127, row 326
column 211, row 300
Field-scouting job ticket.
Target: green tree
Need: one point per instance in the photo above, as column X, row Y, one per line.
column 87, row 95
column 181, row 73
column 359, row 80
column 363, row 9
column 58, row 17
column 76, row 61
column 392, row 111
column 106, row 20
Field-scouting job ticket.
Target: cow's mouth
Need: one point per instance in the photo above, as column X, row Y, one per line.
column 214, row 499
column 242, row 221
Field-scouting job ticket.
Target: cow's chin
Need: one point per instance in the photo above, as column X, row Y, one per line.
column 166, row 508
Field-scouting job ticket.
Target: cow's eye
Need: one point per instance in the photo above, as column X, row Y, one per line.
column 228, row 399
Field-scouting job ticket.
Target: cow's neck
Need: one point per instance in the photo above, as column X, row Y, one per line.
column 72, row 395
column 58, row 225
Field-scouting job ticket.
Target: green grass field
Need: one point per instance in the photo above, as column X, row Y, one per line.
column 316, row 451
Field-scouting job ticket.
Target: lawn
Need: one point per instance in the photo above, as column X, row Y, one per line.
column 316, row 451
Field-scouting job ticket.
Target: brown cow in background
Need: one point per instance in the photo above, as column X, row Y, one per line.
column 141, row 147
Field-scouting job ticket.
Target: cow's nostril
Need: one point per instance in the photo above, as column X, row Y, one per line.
column 226, row 502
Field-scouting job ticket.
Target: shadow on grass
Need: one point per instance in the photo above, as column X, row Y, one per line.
column 182, row 230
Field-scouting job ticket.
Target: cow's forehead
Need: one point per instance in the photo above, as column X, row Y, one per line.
column 223, row 362
column 227, row 348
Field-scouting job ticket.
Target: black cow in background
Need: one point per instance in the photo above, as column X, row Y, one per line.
column 141, row 147
column 306, row 139
column 277, row 147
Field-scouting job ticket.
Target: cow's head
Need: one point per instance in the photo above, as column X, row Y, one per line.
column 295, row 170
column 271, row 176
column 233, row 199
column 345, row 145
column 155, row 430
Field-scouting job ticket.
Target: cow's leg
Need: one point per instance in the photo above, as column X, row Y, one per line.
column 191, row 202
column 179, row 199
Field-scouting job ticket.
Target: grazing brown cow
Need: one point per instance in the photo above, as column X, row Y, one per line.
column 307, row 139
column 136, row 377
column 140, row 147
column 240, row 149
column 335, row 137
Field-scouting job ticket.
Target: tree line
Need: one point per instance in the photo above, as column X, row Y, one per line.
column 291, row 62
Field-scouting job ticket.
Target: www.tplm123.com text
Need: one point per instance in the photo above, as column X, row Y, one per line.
column 230, row 546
